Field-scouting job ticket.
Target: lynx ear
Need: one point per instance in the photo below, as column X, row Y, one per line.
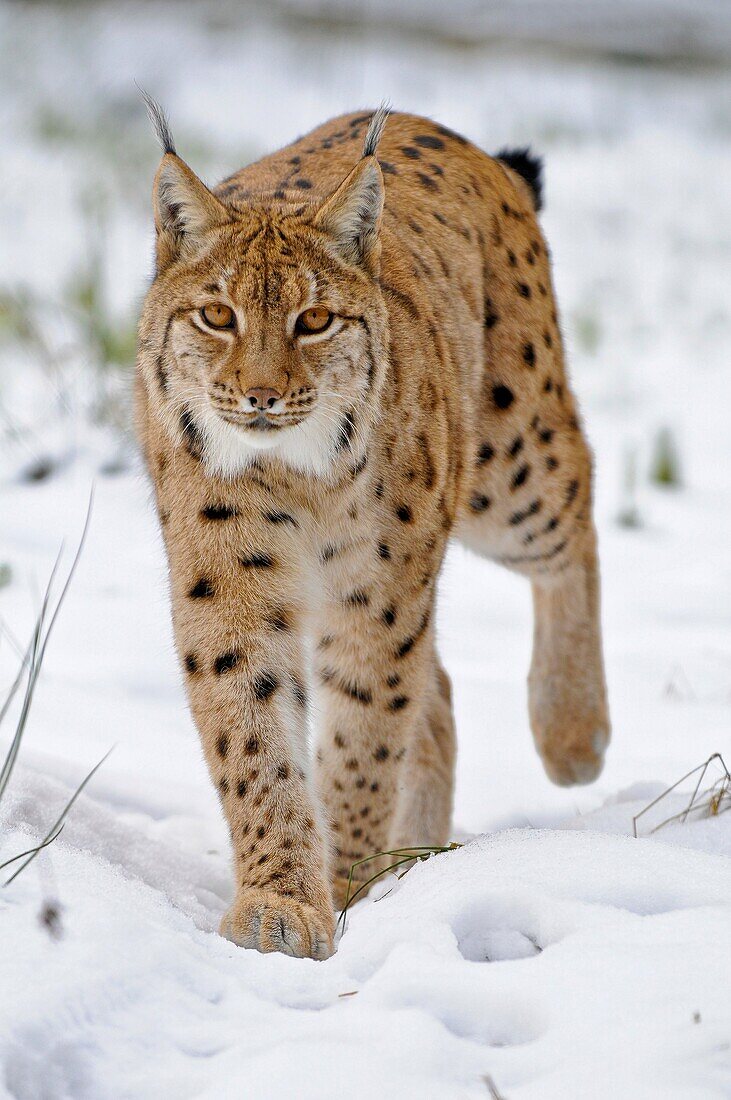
column 185, row 210
column 352, row 215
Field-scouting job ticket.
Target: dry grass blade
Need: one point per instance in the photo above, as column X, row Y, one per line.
column 30, row 851
column 492, row 1088
column 58, row 824
column 403, row 855
column 33, row 659
column 31, row 664
column 709, row 802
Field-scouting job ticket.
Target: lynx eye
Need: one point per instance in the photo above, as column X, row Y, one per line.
column 314, row 319
column 218, row 315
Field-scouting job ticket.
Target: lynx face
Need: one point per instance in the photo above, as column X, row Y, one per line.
column 269, row 317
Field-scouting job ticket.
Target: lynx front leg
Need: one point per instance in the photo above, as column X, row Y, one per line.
column 566, row 688
column 383, row 730
column 237, row 614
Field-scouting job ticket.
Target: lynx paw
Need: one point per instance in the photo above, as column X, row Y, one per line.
column 267, row 921
column 574, row 760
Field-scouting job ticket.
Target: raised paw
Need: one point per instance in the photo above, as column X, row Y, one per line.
column 268, row 921
column 573, row 757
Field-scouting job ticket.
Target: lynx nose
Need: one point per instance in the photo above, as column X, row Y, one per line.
column 261, row 398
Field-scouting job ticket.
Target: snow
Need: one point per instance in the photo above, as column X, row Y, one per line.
column 556, row 962
column 554, row 955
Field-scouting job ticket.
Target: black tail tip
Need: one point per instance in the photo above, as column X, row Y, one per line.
column 528, row 166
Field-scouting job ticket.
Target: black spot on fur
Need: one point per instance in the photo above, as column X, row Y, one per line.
column 427, row 181
column 551, row 463
column 529, row 167
column 516, row 447
column 359, row 598
column 429, row 141
column 479, row 503
column 520, row 517
column 520, row 477
column 384, row 552
column 304, row 185
column 218, row 512
column 388, row 168
column 491, row 317
column 404, row 513
column 252, row 746
column 398, row 703
column 446, row 132
column 408, row 643
column 381, row 753
column 222, row 744
column 571, row 490
column 191, row 435
column 485, row 453
column 280, row 517
column 523, row 289
column 257, row 561
column 529, row 355
column 353, row 691
column 265, row 685
column 502, row 396
column 389, row 616
column 191, row 663
column 410, row 152
column 241, row 788
column 202, row 590
column 225, row 662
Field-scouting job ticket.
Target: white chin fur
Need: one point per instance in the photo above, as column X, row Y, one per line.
column 308, row 447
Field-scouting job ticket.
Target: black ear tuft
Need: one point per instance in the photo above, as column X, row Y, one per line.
column 529, row 167
column 379, row 119
column 160, row 123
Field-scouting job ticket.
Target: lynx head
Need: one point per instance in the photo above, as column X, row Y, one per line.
column 264, row 329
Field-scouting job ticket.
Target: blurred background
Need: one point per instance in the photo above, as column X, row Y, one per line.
column 630, row 105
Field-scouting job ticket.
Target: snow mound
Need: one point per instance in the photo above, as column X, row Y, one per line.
column 553, row 963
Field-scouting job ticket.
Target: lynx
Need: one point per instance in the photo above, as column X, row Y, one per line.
column 349, row 354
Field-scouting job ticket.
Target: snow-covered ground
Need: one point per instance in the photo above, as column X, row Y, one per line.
column 555, row 955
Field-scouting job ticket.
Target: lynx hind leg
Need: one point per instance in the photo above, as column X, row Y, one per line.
column 566, row 688
column 543, row 529
column 530, row 498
